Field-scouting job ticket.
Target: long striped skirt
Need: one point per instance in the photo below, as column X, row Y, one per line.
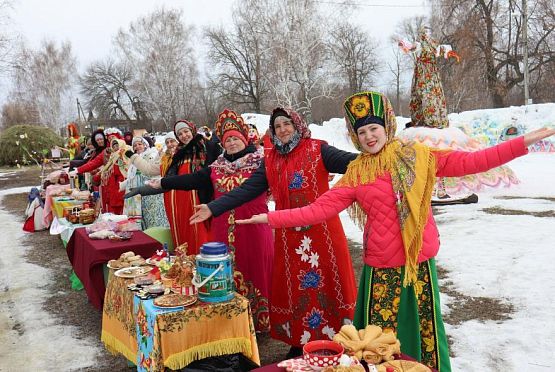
column 412, row 312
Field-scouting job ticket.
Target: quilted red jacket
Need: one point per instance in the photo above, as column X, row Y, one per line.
column 383, row 244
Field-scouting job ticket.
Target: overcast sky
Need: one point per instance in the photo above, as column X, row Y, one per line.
column 90, row 25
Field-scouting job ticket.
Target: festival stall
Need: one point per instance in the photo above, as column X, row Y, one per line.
column 154, row 316
column 87, row 256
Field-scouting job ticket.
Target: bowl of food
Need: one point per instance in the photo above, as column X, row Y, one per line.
column 320, row 354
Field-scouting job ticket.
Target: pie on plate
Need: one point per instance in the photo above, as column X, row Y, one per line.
column 175, row 300
column 132, row 272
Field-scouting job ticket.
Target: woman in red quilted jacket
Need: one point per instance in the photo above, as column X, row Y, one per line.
column 392, row 183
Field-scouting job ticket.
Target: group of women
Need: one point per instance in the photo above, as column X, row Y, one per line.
column 299, row 279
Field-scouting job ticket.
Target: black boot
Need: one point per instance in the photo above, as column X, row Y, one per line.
column 294, row 352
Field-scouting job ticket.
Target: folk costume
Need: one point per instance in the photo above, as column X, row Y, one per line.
column 149, row 207
column 252, row 245
column 179, row 204
column 73, row 145
column 112, row 170
column 313, row 288
column 430, row 124
column 389, row 196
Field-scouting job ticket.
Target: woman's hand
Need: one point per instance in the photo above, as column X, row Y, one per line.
column 257, row 218
column 202, row 214
column 155, row 183
column 537, row 135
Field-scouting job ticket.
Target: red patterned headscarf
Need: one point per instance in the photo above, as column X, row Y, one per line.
column 298, row 122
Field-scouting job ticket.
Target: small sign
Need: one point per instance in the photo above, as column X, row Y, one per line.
column 56, row 153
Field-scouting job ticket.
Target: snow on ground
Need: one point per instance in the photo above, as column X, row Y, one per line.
column 509, row 257
column 29, row 337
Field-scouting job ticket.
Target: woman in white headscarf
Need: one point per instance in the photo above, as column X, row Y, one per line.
column 144, row 160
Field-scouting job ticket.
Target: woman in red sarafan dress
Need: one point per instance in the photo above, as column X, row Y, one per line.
column 252, row 245
column 313, row 290
column 193, row 154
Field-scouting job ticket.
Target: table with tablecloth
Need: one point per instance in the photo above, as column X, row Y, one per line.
column 54, row 204
column 155, row 338
column 87, row 257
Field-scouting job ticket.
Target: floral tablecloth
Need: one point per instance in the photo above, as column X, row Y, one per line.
column 155, row 338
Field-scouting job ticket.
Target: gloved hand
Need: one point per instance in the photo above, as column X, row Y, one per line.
column 129, row 153
column 144, row 191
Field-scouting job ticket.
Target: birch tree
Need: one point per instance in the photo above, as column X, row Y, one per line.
column 44, row 79
column 158, row 47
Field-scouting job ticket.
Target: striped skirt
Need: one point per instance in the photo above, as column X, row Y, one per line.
column 412, row 312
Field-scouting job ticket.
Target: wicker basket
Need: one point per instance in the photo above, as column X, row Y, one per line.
column 86, row 216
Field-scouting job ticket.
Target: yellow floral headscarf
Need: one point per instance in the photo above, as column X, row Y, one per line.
column 116, row 158
column 412, row 170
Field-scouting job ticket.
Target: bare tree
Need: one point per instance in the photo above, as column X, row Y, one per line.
column 44, row 79
column 7, row 38
column 15, row 113
column 106, row 86
column 355, row 53
column 158, row 47
column 239, row 54
column 398, row 68
column 494, row 29
column 300, row 58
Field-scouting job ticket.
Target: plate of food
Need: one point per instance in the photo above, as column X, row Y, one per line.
column 120, row 236
column 132, row 272
column 174, row 300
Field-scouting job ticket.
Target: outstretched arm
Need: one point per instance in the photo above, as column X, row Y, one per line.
column 335, row 160
column 255, row 185
column 328, row 205
column 193, row 181
column 461, row 163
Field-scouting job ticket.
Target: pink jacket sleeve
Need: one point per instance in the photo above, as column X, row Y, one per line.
column 461, row 163
column 322, row 209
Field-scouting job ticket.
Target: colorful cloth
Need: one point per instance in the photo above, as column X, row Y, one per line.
column 453, row 138
column 119, row 334
column 413, row 312
column 150, row 208
column 174, row 338
column 427, row 104
column 252, row 245
column 313, row 289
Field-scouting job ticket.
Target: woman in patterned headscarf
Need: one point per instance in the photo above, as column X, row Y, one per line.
column 150, row 208
column 253, row 246
column 110, row 175
column 313, row 288
column 193, row 153
column 388, row 188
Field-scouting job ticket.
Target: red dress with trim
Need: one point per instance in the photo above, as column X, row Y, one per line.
column 179, row 206
column 313, row 287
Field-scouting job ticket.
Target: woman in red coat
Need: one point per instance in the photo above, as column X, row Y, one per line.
column 110, row 177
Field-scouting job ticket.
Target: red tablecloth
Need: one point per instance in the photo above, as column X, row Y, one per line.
column 87, row 256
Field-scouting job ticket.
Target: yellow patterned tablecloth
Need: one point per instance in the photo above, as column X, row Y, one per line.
column 174, row 338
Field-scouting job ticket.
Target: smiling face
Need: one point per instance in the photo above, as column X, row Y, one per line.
column 138, row 147
column 185, row 135
column 171, row 145
column 284, row 129
column 372, row 138
column 233, row 145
